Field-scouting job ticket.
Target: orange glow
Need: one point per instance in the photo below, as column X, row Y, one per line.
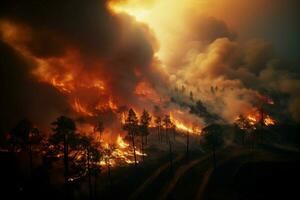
column 255, row 117
column 178, row 120
column 121, row 153
column 269, row 121
column 80, row 108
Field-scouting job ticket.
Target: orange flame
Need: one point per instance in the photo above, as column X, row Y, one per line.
column 80, row 108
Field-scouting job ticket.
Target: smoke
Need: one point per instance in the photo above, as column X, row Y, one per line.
column 81, row 57
column 238, row 72
column 23, row 97
column 74, row 56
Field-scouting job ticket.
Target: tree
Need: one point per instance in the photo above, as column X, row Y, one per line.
column 213, row 138
column 34, row 139
column 64, row 131
column 191, row 96
column 131, row 126
column 158, row 126
column 108, row 155
column 244, row 128
column 84, row 157
column 86, row 143
column 173, row 129
column 144, row 128
column 96, row 157
column 187, row 143
column 22, row 136
column 168, row 124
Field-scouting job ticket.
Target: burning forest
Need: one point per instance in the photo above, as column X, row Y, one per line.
column 110, row 98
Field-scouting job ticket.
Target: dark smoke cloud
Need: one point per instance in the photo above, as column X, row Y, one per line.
column 23, row 97
column 110, row 47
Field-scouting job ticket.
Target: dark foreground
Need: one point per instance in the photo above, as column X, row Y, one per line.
column 265, row 172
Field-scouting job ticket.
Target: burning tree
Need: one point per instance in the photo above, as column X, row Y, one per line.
column 64, row 132
column 167, row 123
column 131, row 126
column 144, row 128
column 99, row 127
column 92, row 158
column 158, row 123
column 108, row 155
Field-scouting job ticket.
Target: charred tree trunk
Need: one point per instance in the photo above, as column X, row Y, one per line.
column 143, row 147
column 30, row 160
column 167, row 139
column 134, row 153
column 89, row 173
column 158, row 134
column 170, row 156
column 95, row 183
column 174, row 135
column 146, row 142
column 214, row 157
column 187, row 143
column 66, row 164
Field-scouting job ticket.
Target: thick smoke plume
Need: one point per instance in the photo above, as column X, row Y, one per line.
column 73, row 56
column 81, row 58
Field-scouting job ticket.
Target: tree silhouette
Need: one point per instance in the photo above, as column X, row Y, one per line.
column 34, row 139
column 22, row 136
column 213, row 138
column 131, row 126
column 158, row 123
column 244, row 128
column 168, row 124
column 187, row 143
column 144, row 128
column 173, row 129
column 64, row 131
column 108, row 155
column 96, row 157
column 86, row 143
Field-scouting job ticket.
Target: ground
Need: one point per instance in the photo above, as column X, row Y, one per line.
column 243, row 172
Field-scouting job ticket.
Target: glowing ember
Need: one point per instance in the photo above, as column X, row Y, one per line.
column 268, row 121
column 122, row 152
column 252, row 119
column 255, row 117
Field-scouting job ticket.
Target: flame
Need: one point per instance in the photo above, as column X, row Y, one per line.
column 184, row 127
column 80, row 108
column 121, row 143
column 252, row 119
column 255, row 117
column 268, row 121
column 122, row 153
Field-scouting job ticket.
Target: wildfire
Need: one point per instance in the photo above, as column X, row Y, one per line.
column 255, row 118
column 80, row 108
column 269, row 121
column 184, row 127
column 120, row 153
column 121, row 143
column 252, row 119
